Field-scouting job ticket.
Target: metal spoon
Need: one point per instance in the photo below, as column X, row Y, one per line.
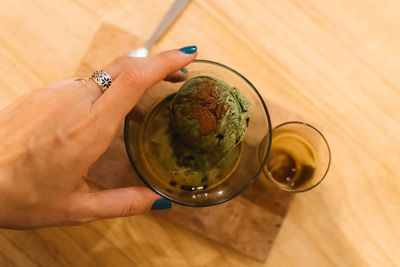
column 176, row 8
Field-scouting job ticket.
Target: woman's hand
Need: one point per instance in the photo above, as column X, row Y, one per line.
column 50, row 137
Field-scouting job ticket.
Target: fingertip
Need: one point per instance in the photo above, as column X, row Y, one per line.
column 191, row 49
column 178, row 56
column 161, row 204
column 165, row 63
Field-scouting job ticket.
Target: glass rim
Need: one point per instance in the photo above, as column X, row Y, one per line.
column 232, row 195
column 329, row 157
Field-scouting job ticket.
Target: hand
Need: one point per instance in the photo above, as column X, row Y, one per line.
column 50, row 137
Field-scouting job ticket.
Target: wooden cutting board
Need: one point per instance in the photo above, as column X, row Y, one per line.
column 248, row 223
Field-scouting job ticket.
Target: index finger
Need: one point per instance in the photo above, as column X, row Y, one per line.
column 134, row 77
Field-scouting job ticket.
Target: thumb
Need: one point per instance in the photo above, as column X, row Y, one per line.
column 123, row 202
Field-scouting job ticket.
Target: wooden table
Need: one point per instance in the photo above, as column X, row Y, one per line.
column 336, row 62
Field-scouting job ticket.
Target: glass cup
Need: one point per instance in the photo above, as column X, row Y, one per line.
column 299, row 158
column 153, row 164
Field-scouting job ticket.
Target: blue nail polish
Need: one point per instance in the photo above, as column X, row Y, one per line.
column 189, row 49
column 184, row 70
column 161, row 204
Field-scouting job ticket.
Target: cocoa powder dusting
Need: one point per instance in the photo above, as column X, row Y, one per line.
column 206, row 107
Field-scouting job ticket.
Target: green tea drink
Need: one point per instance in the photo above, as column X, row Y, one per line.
column 292, row 160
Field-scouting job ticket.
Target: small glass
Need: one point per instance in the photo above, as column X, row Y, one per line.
column 299, row 158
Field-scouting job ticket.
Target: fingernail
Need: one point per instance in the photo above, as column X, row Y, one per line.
column 188, row 49
column 184, row 70
column 161, row 204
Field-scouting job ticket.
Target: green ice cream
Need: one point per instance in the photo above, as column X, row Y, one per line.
column 190, row 139
column 210, row 115
column 178, row 166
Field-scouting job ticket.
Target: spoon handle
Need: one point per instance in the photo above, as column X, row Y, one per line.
column 167, row 20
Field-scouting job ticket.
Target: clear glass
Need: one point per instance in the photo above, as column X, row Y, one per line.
column 254, row 149
column 300, row 157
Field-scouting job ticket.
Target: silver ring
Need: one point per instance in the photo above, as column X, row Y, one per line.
column 102, row 79
column 80, row 80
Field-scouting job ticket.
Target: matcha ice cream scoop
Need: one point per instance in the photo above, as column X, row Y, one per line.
column 210, row 115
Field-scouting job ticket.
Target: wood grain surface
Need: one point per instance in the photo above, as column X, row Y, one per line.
column 248, row 223
column 335, row 62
